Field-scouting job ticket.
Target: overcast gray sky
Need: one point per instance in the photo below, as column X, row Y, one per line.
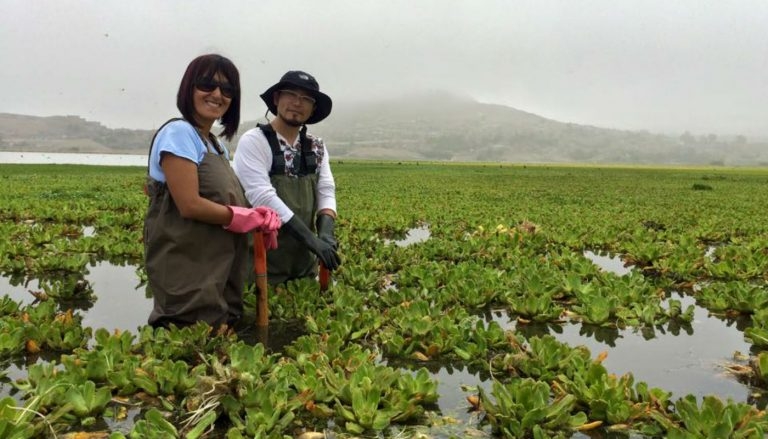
column 660, row 65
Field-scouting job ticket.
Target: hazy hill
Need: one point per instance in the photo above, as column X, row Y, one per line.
column 444, row 127
column 435, row 126
column 68, row 134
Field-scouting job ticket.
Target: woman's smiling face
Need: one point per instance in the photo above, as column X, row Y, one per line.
column 211, row 105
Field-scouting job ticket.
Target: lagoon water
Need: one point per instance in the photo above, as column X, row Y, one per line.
column 55, row 158
column 683, row 362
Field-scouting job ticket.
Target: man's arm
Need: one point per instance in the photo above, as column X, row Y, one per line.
column 326, row 186
column 252, row 162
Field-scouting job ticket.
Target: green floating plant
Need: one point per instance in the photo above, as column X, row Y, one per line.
column 123, row 379
column 48, row 328
column 204, row 425
column 185, row 343
column 261, row 410
column 110, row 360
column 12, row 337
column 604, row 396
column 596, row 309
column 43, row 384
column 733, row 297
column 252, row 360
column 523, row 408
column 419, row 388
column 537, row 305
column 166, row 377
column 479, row 342
column 757, row 334
column 153, row 426
column 373, row 397
column 760, row 366
column 15, row 421
column 87, row 401
column 544, row 358
column 365, row 412
column 716, row 419
column 675, row 311
column 8, row 307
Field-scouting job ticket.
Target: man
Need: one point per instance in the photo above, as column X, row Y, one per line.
column 283, row 167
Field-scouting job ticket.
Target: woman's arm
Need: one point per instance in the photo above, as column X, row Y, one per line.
column 181, row 178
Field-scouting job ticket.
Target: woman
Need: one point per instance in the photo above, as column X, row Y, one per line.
column 195, row 231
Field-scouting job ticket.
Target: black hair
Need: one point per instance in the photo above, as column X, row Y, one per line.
column 205, row 67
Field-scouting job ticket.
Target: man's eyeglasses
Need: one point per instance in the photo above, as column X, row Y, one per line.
column 209, row 85
column 304, row 99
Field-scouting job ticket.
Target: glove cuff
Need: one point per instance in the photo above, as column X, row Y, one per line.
column 238, row 214
column 325, row 224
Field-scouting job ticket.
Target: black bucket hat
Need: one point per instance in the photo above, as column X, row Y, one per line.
column 304, row 81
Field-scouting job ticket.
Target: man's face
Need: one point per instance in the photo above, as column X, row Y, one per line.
column 294, row 105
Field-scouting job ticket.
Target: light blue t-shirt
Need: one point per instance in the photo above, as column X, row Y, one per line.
column 181, row 139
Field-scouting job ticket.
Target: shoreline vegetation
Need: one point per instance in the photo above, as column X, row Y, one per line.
column 458, row 130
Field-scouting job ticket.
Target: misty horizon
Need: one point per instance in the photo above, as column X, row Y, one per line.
column 666, row 67
column 348, row 105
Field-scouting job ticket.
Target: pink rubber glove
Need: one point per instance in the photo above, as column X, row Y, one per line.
column 270, row 232
column 273, row 219
column 245, row 219
column 270, row 240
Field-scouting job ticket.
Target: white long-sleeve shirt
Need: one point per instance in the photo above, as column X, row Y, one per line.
column 253, row 160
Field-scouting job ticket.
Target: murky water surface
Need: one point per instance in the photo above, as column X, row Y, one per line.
column 608, row 263
column 121, row 302
column 413, row 236
column 681, row 360
column 50, row 158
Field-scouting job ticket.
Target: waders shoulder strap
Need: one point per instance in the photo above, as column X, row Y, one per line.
column 148, row 180
column 154, row 136
column 308, row 164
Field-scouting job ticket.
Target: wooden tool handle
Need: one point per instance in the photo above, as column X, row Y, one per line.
column 260, row 268
column 324, row 278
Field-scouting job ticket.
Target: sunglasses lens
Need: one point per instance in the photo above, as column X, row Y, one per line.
column 227, row 90
column 205, row 86
column 209, row 86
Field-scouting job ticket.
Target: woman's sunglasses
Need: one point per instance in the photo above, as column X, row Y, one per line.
column 209, row 85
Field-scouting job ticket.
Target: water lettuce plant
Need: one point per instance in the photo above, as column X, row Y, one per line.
column 508, row 239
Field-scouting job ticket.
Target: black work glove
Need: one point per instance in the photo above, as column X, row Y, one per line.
column 325, row 225
column 327, row 254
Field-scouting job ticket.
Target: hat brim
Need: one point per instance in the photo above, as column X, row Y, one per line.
column 323, row 102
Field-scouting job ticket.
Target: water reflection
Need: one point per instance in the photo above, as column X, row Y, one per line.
column 10, row 372
column 275, row 337
column 454, row 384
column 681, row 359
column 612, row 264
column 413, row 236
column 453, row 400
column 19, row 290
column 121, row 301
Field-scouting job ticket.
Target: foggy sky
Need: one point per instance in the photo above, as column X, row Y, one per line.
column 665, row 66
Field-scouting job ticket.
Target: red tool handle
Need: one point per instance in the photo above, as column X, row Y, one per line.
column 260, row 268
column 325, row 277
